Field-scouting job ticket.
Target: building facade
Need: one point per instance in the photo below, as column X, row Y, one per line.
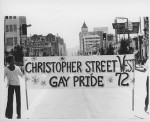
column 38, row 46
column 54, row 44
column 13, row 32
column 103, row 29
column 49, row 45
column 89, row 41
column 61, row 46
column 92, row 41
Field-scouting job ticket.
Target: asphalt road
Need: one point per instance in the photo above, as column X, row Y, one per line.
column 105, row 103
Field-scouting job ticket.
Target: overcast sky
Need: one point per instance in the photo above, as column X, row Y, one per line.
column 66, row 17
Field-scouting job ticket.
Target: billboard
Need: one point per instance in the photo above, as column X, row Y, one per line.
column 121, row 28
column 79, row 71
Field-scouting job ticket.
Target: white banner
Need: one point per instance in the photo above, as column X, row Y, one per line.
column 80, row 71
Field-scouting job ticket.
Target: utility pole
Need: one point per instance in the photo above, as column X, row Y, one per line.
column 116, row 35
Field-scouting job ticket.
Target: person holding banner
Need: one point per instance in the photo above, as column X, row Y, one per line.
column 147, row 66
column 12, row 72
column 146, row 69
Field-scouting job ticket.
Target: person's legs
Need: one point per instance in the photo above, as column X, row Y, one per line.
column 9, row 108
column 18, row 101
column 147, row 96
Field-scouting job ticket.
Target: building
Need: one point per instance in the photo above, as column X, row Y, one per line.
column 110, row 39
column 54, row 44
column 38, row 46
column 92, row 41
column 116, row 47
column 103, row 29
column 49, row 45
column 13, row 31
column 61, row 46
column 89, row 41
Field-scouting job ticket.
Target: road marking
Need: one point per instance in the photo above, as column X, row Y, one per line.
column 27, row 114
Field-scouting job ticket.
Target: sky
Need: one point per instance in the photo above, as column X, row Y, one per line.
column 66, row 17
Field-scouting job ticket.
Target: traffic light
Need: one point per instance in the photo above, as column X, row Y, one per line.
column 104, row 36
column 24, row 29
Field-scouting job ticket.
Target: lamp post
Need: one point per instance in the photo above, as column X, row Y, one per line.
column 23, row 31
column 20, row 29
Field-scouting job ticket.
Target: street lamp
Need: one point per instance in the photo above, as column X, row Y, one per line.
column 23, row 31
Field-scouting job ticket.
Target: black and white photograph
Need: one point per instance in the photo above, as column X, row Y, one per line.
column 74, row 60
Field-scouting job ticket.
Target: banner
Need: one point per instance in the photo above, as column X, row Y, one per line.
column 80, row 71
column 122, row 30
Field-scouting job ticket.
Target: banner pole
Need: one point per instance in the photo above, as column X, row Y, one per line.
column 132, row 99
column 133, row 85
column 26, row 91
column 26, row 95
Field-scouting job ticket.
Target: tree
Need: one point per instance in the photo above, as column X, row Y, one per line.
column 124, row 47
column 102, row 51
column 110, row 50
column 17, row 52
column 44, row 54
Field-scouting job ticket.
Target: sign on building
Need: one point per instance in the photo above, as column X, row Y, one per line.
column 129, row 26
column 122, row 29
column 79, row 71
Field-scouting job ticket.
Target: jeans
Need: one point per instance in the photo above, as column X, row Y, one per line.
column 9, row 108
column 147, row 95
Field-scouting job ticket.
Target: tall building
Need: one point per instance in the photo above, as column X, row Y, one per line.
column 13, row 31
column 90, row 41
column 54, row 44
column 104, row 29
column 61, row 46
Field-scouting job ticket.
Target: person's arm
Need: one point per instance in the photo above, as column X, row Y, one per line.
column 5, row 74
column 145, row 67
column 20, row 72
column 141, row 70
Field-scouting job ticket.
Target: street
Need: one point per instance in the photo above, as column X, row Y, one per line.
column 104, row 103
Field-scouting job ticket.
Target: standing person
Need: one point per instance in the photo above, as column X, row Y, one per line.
column 12, row 72
column 147, row 66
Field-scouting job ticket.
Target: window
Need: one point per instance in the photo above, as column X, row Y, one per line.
column 15, row 40
column 11, row 29
column 10, row 17
column 6, row 17
column 14, row 17
column 9, row 41
column 7, row 28
column 15, row 28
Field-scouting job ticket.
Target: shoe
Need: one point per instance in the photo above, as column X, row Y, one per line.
column 145, row 108
column 18, row 117
column 9, row 117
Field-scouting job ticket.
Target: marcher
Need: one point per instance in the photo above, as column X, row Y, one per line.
column 147, row 66
column 12, row 72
